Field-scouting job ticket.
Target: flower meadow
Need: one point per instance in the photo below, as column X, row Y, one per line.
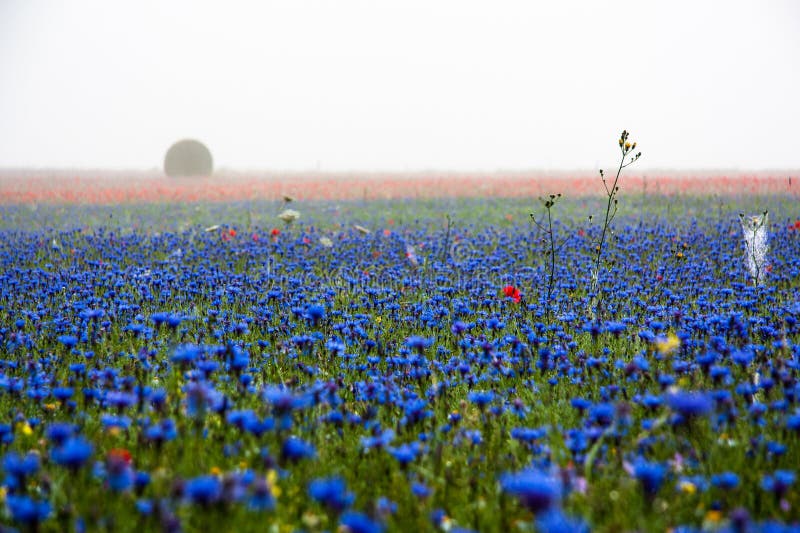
column 374, row 366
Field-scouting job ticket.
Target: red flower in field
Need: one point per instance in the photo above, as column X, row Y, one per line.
column 512, row 292
column 120, row 454
column 796, row 225
column 232, row 232
column 581, row 233
column 275, row 232
column 254, row 236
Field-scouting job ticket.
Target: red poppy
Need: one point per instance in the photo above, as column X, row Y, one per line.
column 275, row 232
column 512, row 292
column 120, row 454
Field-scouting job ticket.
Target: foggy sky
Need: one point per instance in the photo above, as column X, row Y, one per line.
column 400, row 85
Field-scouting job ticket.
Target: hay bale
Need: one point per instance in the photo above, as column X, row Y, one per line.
column 188, row 158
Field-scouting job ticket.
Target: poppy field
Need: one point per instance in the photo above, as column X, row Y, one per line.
column 370, row 365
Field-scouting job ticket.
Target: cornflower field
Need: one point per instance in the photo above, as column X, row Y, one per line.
column 386, row 365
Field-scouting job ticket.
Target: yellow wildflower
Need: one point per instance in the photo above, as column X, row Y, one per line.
column 272, row 478
column 666, row 346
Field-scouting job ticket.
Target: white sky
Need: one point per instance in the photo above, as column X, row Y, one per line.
column 400, row 85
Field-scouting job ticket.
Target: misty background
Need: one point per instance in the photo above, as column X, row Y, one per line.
column 400, row 85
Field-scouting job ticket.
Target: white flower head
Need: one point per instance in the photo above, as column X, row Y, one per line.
column 326, row 242
column 289, row 215
column 411, row 255
column 754, row 229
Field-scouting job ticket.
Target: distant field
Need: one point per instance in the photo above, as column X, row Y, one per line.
column 102, row 187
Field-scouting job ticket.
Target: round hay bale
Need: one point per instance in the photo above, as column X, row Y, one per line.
column 188, row 158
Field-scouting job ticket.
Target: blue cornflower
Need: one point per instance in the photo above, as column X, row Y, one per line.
column 581, row 404
column 159, row 318
column 331, row 492
column 73, row 453
column 186, row 354
column 690, row 404
column 650, row 475
column 58, row 432
column 535, row 490
column 385, row 507
column 315, row 313
column 18, row 468
column 144, row 506
column 360, row 523
column 203, row 490
column 481, row 398
column 380, row 440
column 262, row 498
column 555, row 521
column 725, row 480
column 295, row 449
column 68, row 340
column 26, row 510
column 779, row 482
column 420, row 490
column 405, row 453
column 793, row 422
column 418, row 343
column 602, row 414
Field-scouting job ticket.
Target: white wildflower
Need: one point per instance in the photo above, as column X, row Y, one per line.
column 326, row 242
column 215, row 227
column 756, row 247
column 411, row 255
column 289, row 215
column 361, row 229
